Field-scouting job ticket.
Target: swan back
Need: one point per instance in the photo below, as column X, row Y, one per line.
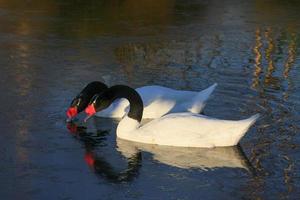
column 190, row 130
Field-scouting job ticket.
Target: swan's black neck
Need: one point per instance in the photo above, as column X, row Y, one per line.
column 93, row 88
column 123, row 91
column 87, row 93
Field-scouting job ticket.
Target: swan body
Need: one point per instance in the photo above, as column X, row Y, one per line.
column 185, row 130
column 176, row 129
column 158, row 101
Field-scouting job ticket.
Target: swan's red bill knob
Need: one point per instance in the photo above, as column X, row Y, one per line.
column 90, row 110
column 72, row 112
column 89, row 159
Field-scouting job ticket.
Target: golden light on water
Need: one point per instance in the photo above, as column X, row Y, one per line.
column 257, row 58
column 269, row 56
column 291, row 56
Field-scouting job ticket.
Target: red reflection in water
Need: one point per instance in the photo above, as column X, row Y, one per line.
column 89, row 159
column 73, row 129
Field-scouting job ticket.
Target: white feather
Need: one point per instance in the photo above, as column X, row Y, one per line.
column 185, row 130
column 159, row 101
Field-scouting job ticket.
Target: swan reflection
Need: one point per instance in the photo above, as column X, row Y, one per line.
column 179, row 157
column 182, row 157
column 99, row 163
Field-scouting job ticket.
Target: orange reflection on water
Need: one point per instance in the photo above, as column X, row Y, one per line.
column 258, row 58
column 269, row 58
column 291, row 56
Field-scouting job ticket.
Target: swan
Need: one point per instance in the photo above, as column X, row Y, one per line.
column 157, row 101
column 177, row 129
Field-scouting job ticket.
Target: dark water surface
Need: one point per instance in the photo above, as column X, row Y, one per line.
column 50, row 49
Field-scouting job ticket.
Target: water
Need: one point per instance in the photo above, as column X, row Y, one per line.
column 51, row 49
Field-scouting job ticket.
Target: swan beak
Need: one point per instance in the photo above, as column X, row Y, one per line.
column 71, row 113
column 90, row 111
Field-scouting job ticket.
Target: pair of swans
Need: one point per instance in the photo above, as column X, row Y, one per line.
column 182, row 129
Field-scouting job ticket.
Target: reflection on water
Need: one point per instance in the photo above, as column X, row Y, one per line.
column 98, row 163
column 291, row 56
column 51, row 49
column 271, row 56
column 197, row 158
column 186, row 158
column 258, row 58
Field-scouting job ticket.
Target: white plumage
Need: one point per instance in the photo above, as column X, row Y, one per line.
column 159, row 101
column 181, row 129
column 185, row 130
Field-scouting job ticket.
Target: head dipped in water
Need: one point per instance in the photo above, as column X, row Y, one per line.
column 104, row 100
column 81, row 101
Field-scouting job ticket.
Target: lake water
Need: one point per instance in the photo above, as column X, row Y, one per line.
column 51, row 49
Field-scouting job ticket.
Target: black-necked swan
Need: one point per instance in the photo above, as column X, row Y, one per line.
column 176, row 129
column 157, row 101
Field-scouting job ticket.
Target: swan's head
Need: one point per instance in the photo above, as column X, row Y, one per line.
column 81, row 101
column 105, row 99
column 98, row 103
column 76, row 106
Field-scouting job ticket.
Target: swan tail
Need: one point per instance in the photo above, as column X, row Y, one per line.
column 244, row 126
column 199, row 101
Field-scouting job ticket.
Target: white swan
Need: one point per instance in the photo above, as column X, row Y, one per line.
column 177, row 129
column 157, row 101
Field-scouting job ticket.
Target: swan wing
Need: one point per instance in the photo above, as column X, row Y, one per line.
column 197, row 104
column 159, row 100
